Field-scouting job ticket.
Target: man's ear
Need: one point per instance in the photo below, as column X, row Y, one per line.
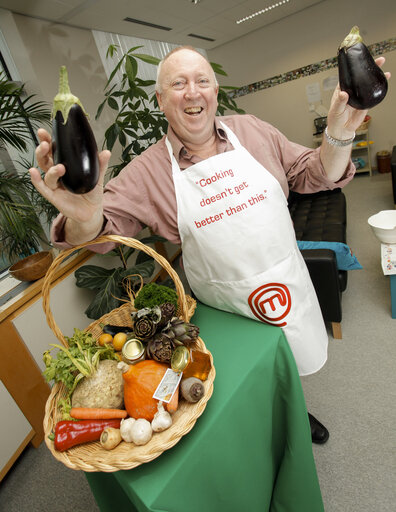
column 159, row 99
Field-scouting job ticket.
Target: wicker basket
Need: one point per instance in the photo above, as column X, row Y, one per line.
column 91, row 456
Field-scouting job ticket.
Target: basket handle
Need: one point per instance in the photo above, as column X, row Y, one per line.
column 130, row 242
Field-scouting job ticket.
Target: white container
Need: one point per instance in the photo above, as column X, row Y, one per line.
column 383, row 225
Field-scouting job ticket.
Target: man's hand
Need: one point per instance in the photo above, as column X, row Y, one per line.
column 342, row 119
column 83, row 211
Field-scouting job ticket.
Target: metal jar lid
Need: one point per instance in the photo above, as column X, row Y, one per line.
column 132, row 349
column 180, row 358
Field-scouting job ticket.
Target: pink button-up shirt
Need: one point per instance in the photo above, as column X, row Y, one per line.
column 143, row 194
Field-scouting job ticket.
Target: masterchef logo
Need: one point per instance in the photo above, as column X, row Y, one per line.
column 271, row 303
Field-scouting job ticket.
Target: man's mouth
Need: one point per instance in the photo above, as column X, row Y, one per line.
column 193, row 110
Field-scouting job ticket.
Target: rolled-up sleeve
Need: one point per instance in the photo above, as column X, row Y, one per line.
column 307, row 174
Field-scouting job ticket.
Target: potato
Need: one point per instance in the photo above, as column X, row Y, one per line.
column 104, row 389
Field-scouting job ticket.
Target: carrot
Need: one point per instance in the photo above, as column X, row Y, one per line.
column 96, row 413
column 172, row 406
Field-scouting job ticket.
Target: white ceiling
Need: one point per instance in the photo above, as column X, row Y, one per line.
column 213, row 19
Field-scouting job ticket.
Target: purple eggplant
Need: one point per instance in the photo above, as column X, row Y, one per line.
column 74, row 143
column 359, row 75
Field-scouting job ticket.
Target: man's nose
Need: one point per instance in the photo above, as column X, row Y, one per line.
column 192, row 89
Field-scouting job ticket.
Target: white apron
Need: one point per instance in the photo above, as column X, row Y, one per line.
column 240, row 252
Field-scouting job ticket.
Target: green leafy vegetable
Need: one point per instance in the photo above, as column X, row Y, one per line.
column 153, row 294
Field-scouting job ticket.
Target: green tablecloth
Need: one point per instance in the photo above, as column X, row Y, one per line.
column 250, row 450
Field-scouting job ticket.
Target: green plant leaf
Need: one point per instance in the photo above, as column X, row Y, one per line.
column 105, row 301
column 131, row 68
column 111, row 50
column 108, row 286
column 145, row 269
column 131, row 50
column 143, row 257
column 144, row 83
column 122, row 138
column 112, row 74
column 152, row 239
column 93, row 277
column 150, row 59
column 112, row 103
column 100, row 109
column 217, row 68
column 111, row 135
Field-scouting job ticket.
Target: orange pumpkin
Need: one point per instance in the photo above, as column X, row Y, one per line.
column 140, row 382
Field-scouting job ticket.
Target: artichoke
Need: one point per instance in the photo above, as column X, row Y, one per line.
column 180, row 332
column 144, row 328
column 146, row 322
column 160, row 348
column 167, row 313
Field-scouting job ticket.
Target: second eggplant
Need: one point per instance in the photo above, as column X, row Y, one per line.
column 74, row 143
column 359, row 75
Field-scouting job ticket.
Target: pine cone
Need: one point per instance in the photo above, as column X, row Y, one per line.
column 160, row 348
column 182, row 333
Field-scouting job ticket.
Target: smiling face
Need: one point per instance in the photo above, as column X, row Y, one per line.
column 188, row 96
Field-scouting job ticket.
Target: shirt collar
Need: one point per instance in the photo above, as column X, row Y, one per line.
column 178, row 148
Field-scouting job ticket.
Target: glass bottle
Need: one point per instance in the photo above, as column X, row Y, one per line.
column 193, row 363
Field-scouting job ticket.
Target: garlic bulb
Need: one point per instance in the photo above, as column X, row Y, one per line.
column 126, row 429
column 162, row 419
column 141, row 432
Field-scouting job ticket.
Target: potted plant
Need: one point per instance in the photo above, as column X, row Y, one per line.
column 21, row 232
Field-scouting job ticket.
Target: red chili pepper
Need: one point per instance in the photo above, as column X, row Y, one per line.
column 72, row 433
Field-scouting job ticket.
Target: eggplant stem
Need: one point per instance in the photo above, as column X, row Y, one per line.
column 352, row 38
column 64, row 100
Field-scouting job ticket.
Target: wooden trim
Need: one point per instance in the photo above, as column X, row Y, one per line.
column 17, row 453
column 337, row 331
column 22, row 377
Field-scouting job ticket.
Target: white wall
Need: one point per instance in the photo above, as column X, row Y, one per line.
column 39, row 48
column 305, row 38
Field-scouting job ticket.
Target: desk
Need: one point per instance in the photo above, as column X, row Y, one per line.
column 250, row 450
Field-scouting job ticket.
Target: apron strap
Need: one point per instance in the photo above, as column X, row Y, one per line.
column 170, row 150
column 230, row 134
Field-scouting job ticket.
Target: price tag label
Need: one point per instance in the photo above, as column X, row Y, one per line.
column 168, row 385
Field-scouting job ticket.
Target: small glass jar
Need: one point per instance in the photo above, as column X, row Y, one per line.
column 193, row 363
column 133, row 351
